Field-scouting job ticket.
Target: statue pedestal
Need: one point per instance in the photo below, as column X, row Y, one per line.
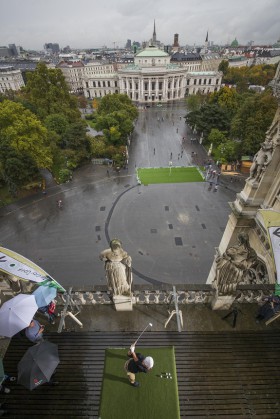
column 123, row 302
column 222, row 302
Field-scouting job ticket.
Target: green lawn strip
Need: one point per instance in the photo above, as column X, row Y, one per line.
column 155, row 398
column 167, row 175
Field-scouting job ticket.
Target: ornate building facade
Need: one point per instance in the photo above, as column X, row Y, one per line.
column 152, row 78
column 10, row 79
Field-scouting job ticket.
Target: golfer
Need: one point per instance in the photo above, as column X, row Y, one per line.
column 137, row 363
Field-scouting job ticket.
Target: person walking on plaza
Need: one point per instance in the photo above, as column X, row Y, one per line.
column 137, row 363
column 34, row 332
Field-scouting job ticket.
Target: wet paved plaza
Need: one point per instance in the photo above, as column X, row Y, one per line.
column 170, row 230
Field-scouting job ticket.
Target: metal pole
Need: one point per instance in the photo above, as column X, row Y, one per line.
column 64, row 312
column 177, row 309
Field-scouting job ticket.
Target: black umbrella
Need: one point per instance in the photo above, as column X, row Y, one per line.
column 38, row 364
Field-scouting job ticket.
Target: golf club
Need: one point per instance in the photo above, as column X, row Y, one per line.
column 150, row 324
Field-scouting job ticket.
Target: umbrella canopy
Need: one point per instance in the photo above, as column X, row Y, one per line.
column 16, row 314
column 38, row 364
column 2, row 374
column 44, row 295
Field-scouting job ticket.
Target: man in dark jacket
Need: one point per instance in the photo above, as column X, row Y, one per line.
column 137, row 363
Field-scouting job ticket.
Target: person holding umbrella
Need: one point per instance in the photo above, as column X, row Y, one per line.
column 16, row 314
column 137, row 363
column 34, row 332
column 38, row 365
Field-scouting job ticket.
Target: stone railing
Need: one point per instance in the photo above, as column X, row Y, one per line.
column 186, row 294
column 149, row 294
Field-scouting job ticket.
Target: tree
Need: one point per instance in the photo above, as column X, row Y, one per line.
column 116, row 102
column 95, row 104
column 227, row 151
column 57, row 123
column 252, row 120
column 82, row 102
column 227, row 98
column 208, row 117
column 216, row 137
column 114, row 117
column 194, row 102
column 23, row 132
column 46, row 89
column 223, row 66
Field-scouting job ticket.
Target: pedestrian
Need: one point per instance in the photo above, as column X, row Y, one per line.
column 108, row 174
column 154, row 151
column 180, row 118
column 34, row 332
column 215, row 188
column 137, row 363
column 59, row 203
column 171, row 156
column 177, row 130
column 49, row 311
column 178, row 156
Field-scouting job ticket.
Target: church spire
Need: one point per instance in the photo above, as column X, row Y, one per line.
column 154, row 34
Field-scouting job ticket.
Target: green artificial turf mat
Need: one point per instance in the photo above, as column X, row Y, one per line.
column 155, row 398
column 165, row 175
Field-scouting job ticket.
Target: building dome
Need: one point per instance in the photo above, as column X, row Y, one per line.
column 151, row 51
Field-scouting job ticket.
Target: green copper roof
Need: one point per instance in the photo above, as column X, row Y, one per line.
column 152, row 52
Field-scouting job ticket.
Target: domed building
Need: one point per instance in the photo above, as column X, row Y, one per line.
column 153, row 77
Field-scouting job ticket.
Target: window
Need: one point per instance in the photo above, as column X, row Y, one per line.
column 160, row 85
column 209, row 81
column 194, row 82
column 204, row 81
column 146, row 86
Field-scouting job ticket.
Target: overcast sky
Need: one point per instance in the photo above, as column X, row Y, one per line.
column 94, row 23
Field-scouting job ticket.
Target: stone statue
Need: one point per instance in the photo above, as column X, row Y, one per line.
column 261, row 160
column 117, row 268
column 236, row 265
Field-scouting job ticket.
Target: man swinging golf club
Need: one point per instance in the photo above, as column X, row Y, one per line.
column 137, row 363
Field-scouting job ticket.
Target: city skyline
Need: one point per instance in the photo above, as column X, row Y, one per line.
column 92, row 24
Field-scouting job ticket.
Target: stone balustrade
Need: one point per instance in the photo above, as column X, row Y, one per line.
column 187, row 294
column 149, row 294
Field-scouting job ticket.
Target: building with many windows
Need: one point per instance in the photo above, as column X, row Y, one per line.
column 10, row 79
column 153, row 77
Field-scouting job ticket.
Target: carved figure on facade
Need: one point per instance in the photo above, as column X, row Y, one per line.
column 117, row 268
column 238, row 265
column 261, row 160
